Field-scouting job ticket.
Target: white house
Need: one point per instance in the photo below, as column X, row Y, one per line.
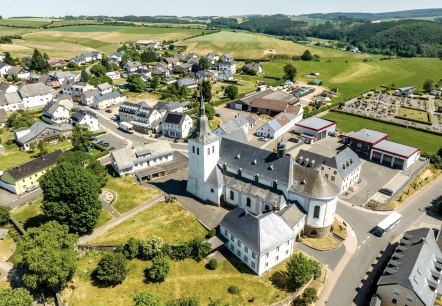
column 116, row 57
column 55, row 113
column 161, row 71
column 18, row 72
column 227, row 66
column 257, row 67
column 132, row 67
column 213, row 58
column 4, row 68
column 6, row 88
column 87, row 98
column 28, row 137
column 129, row 160
column 35, row 95
column 176, row 125
column 86, row 118
column 238, row 123
column 105, row 88
column 103, row 101
column 114, row 75
column 227, row 58
column 224, row 76
column 76, row 90
column 11, row 102
column 282, row 123
column 144, row 119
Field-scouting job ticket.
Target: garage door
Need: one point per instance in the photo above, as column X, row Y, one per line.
column 238, row 106
column 387, row 160
column 398, row 163
column 376, row 157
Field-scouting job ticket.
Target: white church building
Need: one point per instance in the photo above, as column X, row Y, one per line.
column 267, row 189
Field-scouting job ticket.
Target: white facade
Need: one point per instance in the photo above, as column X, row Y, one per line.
column 60, row 115
column 37, row 101
column 114, row 75
column 179, row 130
column 3, row 69
column 227, row 66
column 91, row 122
column 281, row 124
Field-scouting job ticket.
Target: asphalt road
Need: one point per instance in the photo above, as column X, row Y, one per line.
column 350, row 288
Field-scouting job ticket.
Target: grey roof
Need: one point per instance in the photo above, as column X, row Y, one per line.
column 91, row 93
column 3, row 116
column 10, row 98
column 5, row 85
column 345, row 161
column 415, row 264
column 292, row 214
column 186, row 82
column 235, row 124
column 32, row 90
column 138, row 109
column 268, row 94
column 2, row 65
column 79, row 115
column 38, row 128
column 34, row 166
column 51, row 108
column 107, row 96
column 104, row 86
column 262, row 234
column 168, row 105
column 174, row 118
column 395, row 148
column 315, row 123
column 16, row 70
column 311, row 183
column 133, row 64
column 268, row 165
column 128, row 157
column 367, row 135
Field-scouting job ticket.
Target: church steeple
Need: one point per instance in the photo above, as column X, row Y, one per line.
column 203, row 132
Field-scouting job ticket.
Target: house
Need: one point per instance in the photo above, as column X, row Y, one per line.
column 227, row 66
column 169, row 81
column 88, row 97
column 54, row 113
column 76, row 90
column 261, row 242
column 27, row 138
column 257, row 67
column 238, row 123
column 61, row 76
column 161, row 71
column 65, row 101
column 108, row 99
column 4, row 68
column 87, row 57
column 6, row 88
column 114, row 75
column 412, row 275
column 258, row 183
column 174, row 107
column 25, row 177
column 405, row 91
column 180, row 57
column 341, row 167
column 56, row 63
column 282, row 123
column 374, row 146
column 269, row 94
column 154, row 45
column 143, row 43
column 224, row 76
column 186, row 67
column 35, row 95
column 132, row 67
column 188, row 82
column 144, row 119
column 130, row 160
column 227, row 58
column 11, row 102
column 191, row 55
column 18, row 72
column 3, row 118
column 171, row 62
column 314, row 129
column 205, row 75
column 105, row 88
column 176, row 125
column 116, row 57
column 85, row 118
column 213, row 58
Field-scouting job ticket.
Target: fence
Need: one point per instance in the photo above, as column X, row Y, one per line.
column 98, row 247
column 288, row 301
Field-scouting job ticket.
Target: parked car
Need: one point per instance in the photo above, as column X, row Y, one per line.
column 108, row 110
column 218, row 115
column 114, row 117
column 262, row 139
column 110, row 148
column 293, row 139
column 386, row 191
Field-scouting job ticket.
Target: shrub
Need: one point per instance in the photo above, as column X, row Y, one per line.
column 150, row 248
column 5, row 214
column 211, row 233
column 300, row 269
column 233, row 290
column 212, row 264
column 159, row 270
column 131, row 248
column 112, row 269
column 190, row 301
column 146, row 299
column 310, row 295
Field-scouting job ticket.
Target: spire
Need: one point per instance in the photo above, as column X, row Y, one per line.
column 203, row 133
column 202, row 107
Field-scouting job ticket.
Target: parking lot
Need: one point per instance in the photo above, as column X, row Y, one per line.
column 112, row 140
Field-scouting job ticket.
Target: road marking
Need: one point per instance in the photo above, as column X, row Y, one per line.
column 363, row 242
column 368, row 237
column 359, row 247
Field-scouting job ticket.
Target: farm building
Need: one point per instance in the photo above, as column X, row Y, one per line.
column 281, row 124
column 269, row 94
column 314, row 129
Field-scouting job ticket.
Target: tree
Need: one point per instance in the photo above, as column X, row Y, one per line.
column 73, row 65
column 38, row 62
column 307, row 56
column 158, row 271
column 70, row 196
column 151, row 248
column 428, row 85
column 310, row 296
column 204, row 62
column 131, row 248
column 154, row 82
column 5, row 214
column 147, row 299
column 200, row 249
column 136, row 84
column 81, row 138
column 21, row 118
column 112, row 269
column 301, row 269
column 290, row 72
column 206, row 89
column 148, row 56
column 231, row 92
column 15, row 297
column 196, row 67
column 42, row 147
column 8, row 59
column 98, row 70
column 84, row 77
column 190, row 301
column 210, row 111
column 47, row 253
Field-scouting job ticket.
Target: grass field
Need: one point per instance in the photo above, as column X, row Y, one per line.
column 25, row 22
column 7, row 248
column 172, row 222
column 129, row 193
column 426, row 142
column 413, row 114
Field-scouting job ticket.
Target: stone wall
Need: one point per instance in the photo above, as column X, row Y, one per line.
column 316, row 232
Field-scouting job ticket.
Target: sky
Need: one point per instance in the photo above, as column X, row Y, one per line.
column 49, row 8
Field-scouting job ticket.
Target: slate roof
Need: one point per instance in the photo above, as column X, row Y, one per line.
column 10, row 98
column 16, row 70
column 79, row 115
column 168, row 105
column 233, row 125
column 3, row 116
column 91, row 93
column 316, row 123
column 38, row 128
column 128, row 157
column 311, row 183
column 107, row 96
column 34, row 166
column 262, row 234
column 186, row 82
column 104, row 86
column 32, row 90
column 367, row 136
column 280, row 121
column 292, row 214
column 174, row 118
column 414, row 264
column 268, row 165
column 51, row 108
column 395, row 148
column 267, row 94
column 345, row 161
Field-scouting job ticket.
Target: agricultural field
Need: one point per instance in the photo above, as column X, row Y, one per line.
column 25, row 22
column 426, row 142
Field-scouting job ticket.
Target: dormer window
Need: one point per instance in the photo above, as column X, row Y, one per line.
column 238, row 156
column 270, row 167
column 254, row 162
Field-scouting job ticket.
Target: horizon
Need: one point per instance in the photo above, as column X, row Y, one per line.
column 195, row 8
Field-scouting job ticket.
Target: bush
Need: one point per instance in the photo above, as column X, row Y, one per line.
column 233, row 290
column 212, row 264
column 211, row 233
column 112, row 269
column 310, row 295
column 300, row 269
column 146, row 299
column 5, row 214
column 159, row 270
column 190, row 301
column 150, row 248
column 131, row 248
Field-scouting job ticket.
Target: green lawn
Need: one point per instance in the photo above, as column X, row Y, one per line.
column 7, row 248
column 129, row 193
column 24, row 22
column 426, row 142
column 105, row 217
column 172, row 222
column 413, row 114
column 187, row 278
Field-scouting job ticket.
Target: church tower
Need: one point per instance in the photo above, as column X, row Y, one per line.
column 203, row 156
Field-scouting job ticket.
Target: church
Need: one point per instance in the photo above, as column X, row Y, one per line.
column 266, row 188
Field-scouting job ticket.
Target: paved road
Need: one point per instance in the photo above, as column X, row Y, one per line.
column 351, row 289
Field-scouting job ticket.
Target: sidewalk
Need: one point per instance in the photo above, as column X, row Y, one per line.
column 101, row 230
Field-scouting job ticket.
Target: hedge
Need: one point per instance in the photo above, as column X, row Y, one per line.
column 416, row 120
column 103, row 150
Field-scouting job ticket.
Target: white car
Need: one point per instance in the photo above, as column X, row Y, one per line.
column 262, row 139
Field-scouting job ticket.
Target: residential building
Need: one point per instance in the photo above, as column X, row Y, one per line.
column 341, row 167
column 105, row 88
column 130, row 160
column 227, row 66
column 18, row 72
column 117, row 57
column 87, row 97
column 106, row 100
column 238, row 123
column 4, row 68
column 161, row 71
column 144, row 119
column 176, row 125
column 174, row 107
column 413, row 273
column 54, row 113
column 27, row 138
column 205, row 75
column 132, row 67
column 65, row 101
column 282, row 123
column 186, row 67
column 314, row 129
column 86, row 118
column 56, row 63
column 213, row 58
column 227, row 58
column 6, row 88
column 257, row 67
column 171, row 62
column 224, row 76
column 35, row 95
column 61, row 76
column 76, row 90
column 114, row 75
column 87, row 57
column 25, row 177
column 188, row 82
column 11, row 102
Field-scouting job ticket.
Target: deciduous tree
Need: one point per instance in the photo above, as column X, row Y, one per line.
column 159, row 270
column 81, row 138
column 5, row 214
column 301, row 269
column 206, row 89
column 136, row 84
column 290, row 72
column 112, row 269
column 15, row 297
column 307, row 56
column 428, row 85
column 231, row 92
